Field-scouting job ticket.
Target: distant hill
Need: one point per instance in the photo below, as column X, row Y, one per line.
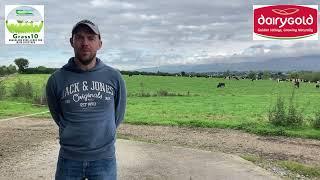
column 310, row 63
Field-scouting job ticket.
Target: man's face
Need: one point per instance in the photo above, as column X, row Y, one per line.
column 85, row 44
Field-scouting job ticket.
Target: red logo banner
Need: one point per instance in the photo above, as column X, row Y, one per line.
column 285, row 22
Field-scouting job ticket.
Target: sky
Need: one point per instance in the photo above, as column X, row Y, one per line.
column 150, row 33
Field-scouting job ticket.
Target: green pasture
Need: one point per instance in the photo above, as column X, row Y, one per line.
column 24, row 27
column 195, row 102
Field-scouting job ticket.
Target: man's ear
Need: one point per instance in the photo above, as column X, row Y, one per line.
column 71, row 42
column 100, row 44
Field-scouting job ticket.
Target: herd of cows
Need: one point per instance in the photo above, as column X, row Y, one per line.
column 295, row 82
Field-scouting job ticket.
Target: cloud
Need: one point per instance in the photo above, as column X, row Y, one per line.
column 139, row 17
column 112, row 4
column 294, row 49
column 144, row 33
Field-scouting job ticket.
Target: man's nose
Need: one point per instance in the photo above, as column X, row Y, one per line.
column 85, row 42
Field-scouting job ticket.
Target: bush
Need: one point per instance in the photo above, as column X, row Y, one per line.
column 28, row 91
column 294, row 117
column 22, row 90
column 42, row 98
column 316, row 122
column 18, row 89
column 279, row 116
column 2, row 90
column 144, row 94
column 162, row 92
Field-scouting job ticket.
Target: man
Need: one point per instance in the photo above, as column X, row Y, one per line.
column 87, row 101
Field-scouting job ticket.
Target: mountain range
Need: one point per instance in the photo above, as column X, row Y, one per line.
column 307, row 63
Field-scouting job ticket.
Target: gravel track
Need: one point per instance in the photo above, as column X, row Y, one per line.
column 28, row 136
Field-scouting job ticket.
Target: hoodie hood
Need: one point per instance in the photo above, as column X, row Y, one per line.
column 72, row 66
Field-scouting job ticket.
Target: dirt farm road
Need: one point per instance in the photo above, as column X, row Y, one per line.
column 29, row 148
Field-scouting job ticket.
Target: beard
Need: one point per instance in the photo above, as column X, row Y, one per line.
column 85, row 60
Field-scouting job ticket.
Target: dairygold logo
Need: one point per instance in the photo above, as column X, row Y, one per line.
column 288, row 22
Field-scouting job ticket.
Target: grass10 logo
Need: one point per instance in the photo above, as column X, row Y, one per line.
column 24, row 24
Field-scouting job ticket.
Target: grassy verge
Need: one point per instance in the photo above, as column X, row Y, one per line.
column 251, row 158
column 294, row 169
column 16, row 108
column 299, row 168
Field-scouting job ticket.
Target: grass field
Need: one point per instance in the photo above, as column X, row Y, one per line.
column 241, row 104
column 24, row 27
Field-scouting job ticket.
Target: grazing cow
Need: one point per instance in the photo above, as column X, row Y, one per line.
column 281, row 80
column 297, row 84
column 317, row 86
column 235, row 77
column 252, row 79
column 130, row 75
column 221, row 85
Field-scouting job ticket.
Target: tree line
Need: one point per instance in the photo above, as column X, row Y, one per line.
column 4, row 70
column 23, row 68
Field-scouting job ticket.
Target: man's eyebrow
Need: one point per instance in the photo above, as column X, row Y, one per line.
column 87, row 32
column 78, row 35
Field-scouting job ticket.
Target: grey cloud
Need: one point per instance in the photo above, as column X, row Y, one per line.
column 275, row 50
column 136, row 32
column 112, row 4
column 138, row 57
column 257, row 46
column 263, row 2
column 276, row 47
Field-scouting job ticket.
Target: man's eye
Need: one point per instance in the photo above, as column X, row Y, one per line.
column 79, row 37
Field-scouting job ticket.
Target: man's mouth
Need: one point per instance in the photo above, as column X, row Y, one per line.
column 85, row 52
column 85, row 49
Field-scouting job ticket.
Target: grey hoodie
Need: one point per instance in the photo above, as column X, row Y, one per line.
column 87, row 106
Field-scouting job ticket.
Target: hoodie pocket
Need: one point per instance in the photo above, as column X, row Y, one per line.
column 93, row 134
